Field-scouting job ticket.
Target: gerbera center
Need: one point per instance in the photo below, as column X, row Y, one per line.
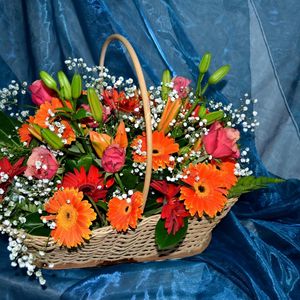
column 67, row 216
column 86, row 188
column 155, row 151
column 201, row 188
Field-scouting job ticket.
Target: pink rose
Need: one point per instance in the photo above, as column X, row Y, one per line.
column 113, row 158
column 41, row 164
column 40, row 93
column 181, row 85
column 221, row 142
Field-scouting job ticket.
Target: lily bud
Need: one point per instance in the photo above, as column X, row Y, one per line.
column 214, row 116
column 64, row 84
column 204, row 63
column 35, row 130
column 52, row 139
column 95, row 105
column 218, row 75
column 100, row 141
column 121, row 136
column 76, row 86
column 166, row 78
column 48, row 80
column 202, row 111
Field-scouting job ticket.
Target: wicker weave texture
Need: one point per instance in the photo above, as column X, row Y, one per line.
column 106, row 246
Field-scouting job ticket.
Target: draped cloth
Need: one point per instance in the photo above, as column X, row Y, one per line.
column 254, row 253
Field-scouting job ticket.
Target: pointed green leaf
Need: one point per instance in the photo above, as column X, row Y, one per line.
column 166, row 241
column 251, row 183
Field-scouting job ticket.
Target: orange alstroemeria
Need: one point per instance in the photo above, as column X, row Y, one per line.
column 121, row 136
column 100, row 141
column 170, row 112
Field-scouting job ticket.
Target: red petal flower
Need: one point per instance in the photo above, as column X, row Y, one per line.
column 173, row 210
column 167, row 189
column 6, row 168
column 91, row 184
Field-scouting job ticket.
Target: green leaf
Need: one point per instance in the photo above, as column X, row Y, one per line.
column 251, row 183
column 102, row 204
column 152, row 212
column 8, row 134
column 85, row 161
column 76, row 149
column 35, row 226
column 177, row 132
column 131, row 180
column 166, row 241
column 29, row 207
column 64, row 109
column 70, row 165
column 81, row 114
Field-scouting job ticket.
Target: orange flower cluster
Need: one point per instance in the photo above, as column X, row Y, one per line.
column 45, row 117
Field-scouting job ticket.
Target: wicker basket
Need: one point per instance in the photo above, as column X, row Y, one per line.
column 106, row 246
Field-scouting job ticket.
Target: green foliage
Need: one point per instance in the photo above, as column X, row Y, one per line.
column 8, row 134
column 35, row 226
column 166, row 241
column 81, row 114
column 250, row 183
column 131, row 180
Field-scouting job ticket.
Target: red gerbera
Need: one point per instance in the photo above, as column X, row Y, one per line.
column 8, row 172
column 91, row 183
column 173, row 210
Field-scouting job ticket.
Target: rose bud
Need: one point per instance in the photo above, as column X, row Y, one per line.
column 220, row 142
column 113, row 158
column 40, row 93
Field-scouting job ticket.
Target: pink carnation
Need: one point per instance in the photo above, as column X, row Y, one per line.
column 221, row 142
column 181, row 85
column 41, row 164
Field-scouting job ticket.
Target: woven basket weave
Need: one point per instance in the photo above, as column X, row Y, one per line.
column 106, row 246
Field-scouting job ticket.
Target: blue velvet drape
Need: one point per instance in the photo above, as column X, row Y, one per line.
column 254, row 252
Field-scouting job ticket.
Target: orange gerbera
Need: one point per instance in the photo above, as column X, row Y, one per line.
column 205, row 192
column 163, row 147
column 122, row 213
column 226, row 168
column 73, row 217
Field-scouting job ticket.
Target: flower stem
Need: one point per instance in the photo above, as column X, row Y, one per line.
column 97, row 210
column 120, row 183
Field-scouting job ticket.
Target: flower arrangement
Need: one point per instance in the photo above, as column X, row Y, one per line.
column 77, row 162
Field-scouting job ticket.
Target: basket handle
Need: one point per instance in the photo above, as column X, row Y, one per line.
column 146, row 106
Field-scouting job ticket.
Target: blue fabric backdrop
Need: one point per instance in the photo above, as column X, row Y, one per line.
column 254, row 252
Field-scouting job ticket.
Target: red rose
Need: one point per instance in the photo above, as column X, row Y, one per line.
column 40, row 93
column 113, row 158
column 221, row 142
